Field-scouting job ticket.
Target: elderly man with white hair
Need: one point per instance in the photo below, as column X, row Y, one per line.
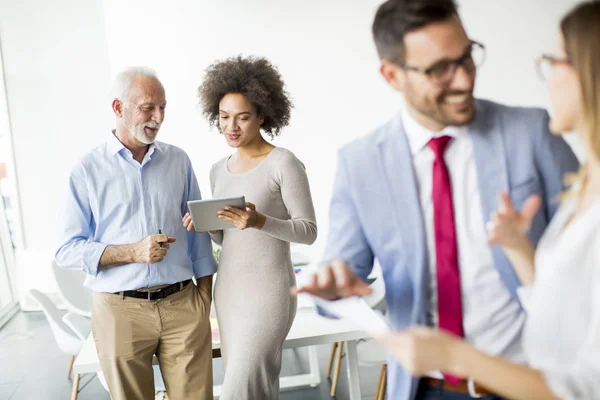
column 122, row 226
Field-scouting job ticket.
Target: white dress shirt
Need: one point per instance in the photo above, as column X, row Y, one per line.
column 562, row 333
column 492, row 318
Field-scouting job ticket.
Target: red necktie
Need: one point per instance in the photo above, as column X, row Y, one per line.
column 446, row 250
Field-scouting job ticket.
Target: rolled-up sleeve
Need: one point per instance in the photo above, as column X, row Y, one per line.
column 76, row 249
column 199, row 245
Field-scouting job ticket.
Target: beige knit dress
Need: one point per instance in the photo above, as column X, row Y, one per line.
column 254, row 307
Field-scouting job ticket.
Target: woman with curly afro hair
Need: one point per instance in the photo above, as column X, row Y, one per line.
column 245, row 99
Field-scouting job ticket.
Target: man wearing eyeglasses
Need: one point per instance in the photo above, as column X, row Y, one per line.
column 417, row 192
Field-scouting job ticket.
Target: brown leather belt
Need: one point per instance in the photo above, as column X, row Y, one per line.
column 461, row 387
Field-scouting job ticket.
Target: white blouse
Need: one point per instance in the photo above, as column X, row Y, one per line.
column 562, row 331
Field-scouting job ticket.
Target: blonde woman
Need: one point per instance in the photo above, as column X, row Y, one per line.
column 561, row 279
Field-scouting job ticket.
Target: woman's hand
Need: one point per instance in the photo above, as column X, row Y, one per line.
column 243, row 218
column 187, row 223
column 421, row 350
column 508, row 227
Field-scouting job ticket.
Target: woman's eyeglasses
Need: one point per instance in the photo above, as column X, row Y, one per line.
column 545, row 62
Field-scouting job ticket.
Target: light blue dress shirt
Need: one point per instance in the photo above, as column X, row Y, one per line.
column 113, row 199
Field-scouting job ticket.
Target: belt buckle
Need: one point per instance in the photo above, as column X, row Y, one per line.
column 472, row 391
column 150, row 293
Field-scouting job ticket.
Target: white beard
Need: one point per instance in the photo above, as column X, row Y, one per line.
column 138, row 130
column 140, row 134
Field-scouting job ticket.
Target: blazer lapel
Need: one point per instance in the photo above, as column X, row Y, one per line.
column 489, row 151
column 397, row 166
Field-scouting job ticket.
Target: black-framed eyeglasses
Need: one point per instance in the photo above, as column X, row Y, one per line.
column 443, row 71
column 545, row 62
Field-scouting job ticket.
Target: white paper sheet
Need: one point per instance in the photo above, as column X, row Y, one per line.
column 355, row 310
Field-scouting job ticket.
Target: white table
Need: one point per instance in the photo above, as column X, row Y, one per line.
column 308, row 329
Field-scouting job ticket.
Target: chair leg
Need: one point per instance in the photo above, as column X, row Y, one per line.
column 330, row 365
column 378, row 391
column 75, row 389
column 71, row 366
column 383, row 382
column 336, row 371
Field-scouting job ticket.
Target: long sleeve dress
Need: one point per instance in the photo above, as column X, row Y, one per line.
column 252, row 293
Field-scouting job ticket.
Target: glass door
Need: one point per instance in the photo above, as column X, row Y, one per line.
column 7, row 297
column 10, row 215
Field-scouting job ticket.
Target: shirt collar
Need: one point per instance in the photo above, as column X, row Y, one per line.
column 115, row 145
column 418, row 136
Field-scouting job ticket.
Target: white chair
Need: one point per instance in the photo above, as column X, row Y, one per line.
column 80, row 325
column 71, row 331
column 66, row 338
column 77, row 297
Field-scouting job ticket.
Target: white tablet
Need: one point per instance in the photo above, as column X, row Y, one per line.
column 204, row 213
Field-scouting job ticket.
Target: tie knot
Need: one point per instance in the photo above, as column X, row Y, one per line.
column 439, row 144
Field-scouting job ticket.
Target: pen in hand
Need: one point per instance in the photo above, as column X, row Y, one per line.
column 167, row 240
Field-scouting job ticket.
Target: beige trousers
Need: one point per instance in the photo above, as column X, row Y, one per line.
column 129, row 331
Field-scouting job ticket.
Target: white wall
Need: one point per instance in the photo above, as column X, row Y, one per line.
column 323, row 49
column 56, row 70
column 325, row 53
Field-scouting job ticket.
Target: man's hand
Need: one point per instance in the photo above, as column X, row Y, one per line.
column 152, row 249
column 334, row 281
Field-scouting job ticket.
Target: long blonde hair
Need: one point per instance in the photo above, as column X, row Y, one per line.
column 581, row 32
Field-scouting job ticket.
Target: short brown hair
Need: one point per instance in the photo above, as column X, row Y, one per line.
column 257, row 80
column 395, row 18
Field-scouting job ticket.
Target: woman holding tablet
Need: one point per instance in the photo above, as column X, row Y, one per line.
column 245, row 98
column 561, row 284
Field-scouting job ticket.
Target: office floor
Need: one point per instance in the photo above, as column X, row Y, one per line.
column 33, row 367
